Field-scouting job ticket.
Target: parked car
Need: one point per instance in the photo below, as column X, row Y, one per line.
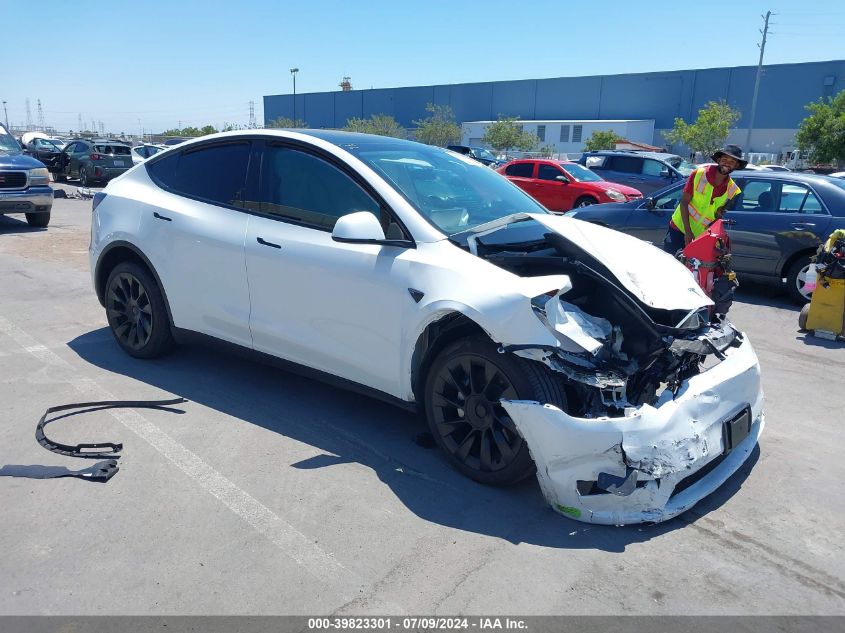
column 483, row 156
column 646, row 171
column 92, row 161
column 44, row 149
column 775, row 168
column 174, row 141
column 561, row 186
column 418, row 276
column 140, row 153
column 777, row 222
column 24, row 183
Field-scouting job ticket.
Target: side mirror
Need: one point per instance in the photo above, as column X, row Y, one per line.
column 563, row 179
column 362, row 227
column 650, row 203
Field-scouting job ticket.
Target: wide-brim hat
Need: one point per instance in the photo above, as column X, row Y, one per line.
column 734, row 151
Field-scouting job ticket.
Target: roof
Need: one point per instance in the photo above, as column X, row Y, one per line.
column 520, row 121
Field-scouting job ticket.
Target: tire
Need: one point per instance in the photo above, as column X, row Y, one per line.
column 58, row 177
column 584, row 201
column 136, row 312
column 795, row 280
column 802, row 317
column 83, row 177
column 462, row 392
column 38, row 219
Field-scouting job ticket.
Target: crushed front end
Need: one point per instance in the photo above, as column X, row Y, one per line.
column 663, row 405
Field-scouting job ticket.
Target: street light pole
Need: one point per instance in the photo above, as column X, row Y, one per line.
column 293, row 72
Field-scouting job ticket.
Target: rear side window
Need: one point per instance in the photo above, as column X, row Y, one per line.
column 520, row 170
column 548, row 172
column 624, row 164
column 653, row 167
column 306, row 189
column 214, row 174
column 795, row 198
column 115, row 150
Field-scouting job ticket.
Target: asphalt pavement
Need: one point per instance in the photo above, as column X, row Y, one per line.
column 274, row 494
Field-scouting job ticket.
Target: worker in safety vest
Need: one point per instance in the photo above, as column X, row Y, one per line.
column 705, row 195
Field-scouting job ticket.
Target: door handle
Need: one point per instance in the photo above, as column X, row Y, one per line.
column 161, row 217
column 264, row 242
column 802, row 225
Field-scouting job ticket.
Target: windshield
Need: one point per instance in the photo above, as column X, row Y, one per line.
column 451, row 192
column 480, row 152
column 7, row 143
column 685, row 168
column 580, row 173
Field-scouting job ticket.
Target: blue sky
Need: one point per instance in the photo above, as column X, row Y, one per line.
column 202, row 62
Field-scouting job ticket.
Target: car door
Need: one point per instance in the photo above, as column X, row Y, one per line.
column 63, row 161
column 522, row 175
column 649, row 220
column 771, row 220
column 333, row 306
column 77, row 158
column 192, row 230
column 550, row 191
column 656, row 175
column 624, row 170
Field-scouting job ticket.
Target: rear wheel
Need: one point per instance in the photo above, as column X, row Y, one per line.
column 584, row 201
column 136, row 312
column 463, row 390
column 800, row 281
column 83, row 177
column 802, row 318
column 38, row 219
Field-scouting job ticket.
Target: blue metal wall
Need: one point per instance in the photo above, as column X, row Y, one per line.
column 662, row 96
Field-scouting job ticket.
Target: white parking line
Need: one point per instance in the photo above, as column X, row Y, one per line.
column 319, row 563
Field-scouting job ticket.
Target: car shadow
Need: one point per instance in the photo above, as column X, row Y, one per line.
column 814, row 341
column 761, row 293
column 11, row 224
column 348, row 427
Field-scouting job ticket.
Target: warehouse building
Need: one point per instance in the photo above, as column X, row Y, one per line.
column 660, row 97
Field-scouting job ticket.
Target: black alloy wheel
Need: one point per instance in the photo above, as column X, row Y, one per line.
column 463, row 392
column 136, row 312
column 83, row 177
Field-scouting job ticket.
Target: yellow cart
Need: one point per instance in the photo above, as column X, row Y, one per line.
column 824, row 316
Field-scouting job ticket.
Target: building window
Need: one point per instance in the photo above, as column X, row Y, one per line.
column 576, row 133
column 564, row 133
column 541, row 132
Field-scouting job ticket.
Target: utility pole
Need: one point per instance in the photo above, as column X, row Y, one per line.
column 293, row 72
column 252, row 114
column 28, row 117
column 79, row 122
column 6, row 112
column 762, row 46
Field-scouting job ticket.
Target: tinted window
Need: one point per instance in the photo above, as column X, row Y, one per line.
column 80, row 147
column 624, row 164
column 521, row 170
column 652, row 167
column 216, row 174
column 548, row 172
column 757, row 195
column 307, row 189
column 116, row 150
column 796, row 198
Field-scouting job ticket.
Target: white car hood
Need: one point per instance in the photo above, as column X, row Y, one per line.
column 653, row 276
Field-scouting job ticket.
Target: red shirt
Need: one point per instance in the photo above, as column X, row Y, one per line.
column 710, row 174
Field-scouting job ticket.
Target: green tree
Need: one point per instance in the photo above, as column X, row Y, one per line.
column 379, row 124
column 823, row 132
column 285, row 122
column 506, row 133
column 602, row 139
column 440, row 128
column 708, row 132
column 208, row 129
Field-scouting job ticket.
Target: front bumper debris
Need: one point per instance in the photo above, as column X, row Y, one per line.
column 657, row 460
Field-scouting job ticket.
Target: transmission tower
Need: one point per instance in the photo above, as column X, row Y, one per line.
column 40, row 116
column 252, row 114
column 28, row 116
column 79, row 123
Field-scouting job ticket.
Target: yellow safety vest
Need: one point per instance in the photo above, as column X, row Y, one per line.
column 702, row 206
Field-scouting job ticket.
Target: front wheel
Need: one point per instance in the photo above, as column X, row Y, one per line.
column 39, row 220
column 801, row 280
column 83, row 177
column 463, row 390
column 584, row 201
column 136, row 312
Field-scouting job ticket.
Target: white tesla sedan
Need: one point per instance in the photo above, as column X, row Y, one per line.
column 531, row 342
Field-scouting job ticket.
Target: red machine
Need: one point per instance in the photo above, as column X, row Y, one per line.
column 709, row 258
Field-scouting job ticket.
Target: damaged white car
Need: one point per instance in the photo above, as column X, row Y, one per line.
column 531, row 342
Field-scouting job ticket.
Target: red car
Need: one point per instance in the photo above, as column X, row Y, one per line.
column 561, row 186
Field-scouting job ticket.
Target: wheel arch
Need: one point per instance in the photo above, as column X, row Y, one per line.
column 787, row 264
column 116, row 253
column 442, row 331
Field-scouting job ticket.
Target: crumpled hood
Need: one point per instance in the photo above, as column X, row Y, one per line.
column 653, row 276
